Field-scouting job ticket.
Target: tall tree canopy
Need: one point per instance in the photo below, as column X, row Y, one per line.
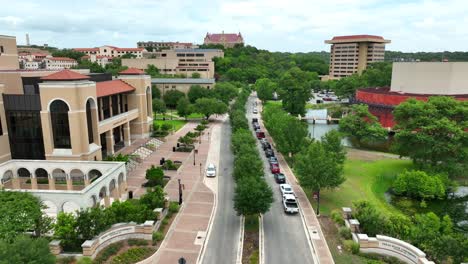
column 295, row 90
column 265, row 89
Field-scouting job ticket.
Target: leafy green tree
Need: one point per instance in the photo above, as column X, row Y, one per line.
column 68, row 53
column 295, row 90
column 155, row 92
column 433, row 133
column 115, row 66
column 153, row 71
column 418, row 184
column 26, row 250
column 332, row 144
column 247, row 163
column 196, row 75
column 159, row 106
column 225, row 91
column 130, row 211
column 196, row 92
column 153, row 198
column 65, row 229
column 128, row 56
column 362, row 125
column 21, row 212
column 92, row 66
column 183, row 107
column 242, row 137
column 265, row 89
column 155, row 176
column 346, row 87
column 92, row 221
column 317, row 169
column 210, row 106
column 372, row 222
column 172, row 97
column 238, row 120
column 252, row 196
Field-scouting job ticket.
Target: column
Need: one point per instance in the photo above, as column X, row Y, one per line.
column 51, row 183
column 106, row 200
column 69, row 183
column 110, row 106
column 123, row 187
column 110, row 142
column 126, row 134
column 16, row 182
column 116, row 193
column 101, row 112
column 33, row 183
column 86, row 181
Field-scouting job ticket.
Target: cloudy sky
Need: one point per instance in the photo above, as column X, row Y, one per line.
column 277, row 25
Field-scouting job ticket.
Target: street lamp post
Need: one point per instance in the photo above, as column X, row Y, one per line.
column 180, row 192
column 195, row 151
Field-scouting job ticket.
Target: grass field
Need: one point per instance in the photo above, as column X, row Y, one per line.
column 367, row 180
column 176, row 124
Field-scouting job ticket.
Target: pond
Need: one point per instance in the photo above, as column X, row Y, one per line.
column 320, row 128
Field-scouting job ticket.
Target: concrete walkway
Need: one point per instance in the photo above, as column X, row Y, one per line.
column 186, row 235
column 313, row 229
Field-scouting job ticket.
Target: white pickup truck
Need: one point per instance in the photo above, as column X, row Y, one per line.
column 290, row 204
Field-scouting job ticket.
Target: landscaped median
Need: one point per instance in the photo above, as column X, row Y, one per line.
column 252, row 195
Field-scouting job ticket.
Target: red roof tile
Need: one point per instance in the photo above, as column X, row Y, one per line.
column 132, row 71
column 65, row 75
column 112, row 87
column 61, row 59
column 356, row 37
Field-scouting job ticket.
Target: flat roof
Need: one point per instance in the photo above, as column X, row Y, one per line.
column 183, row 80
column 357, row 38
column 197, row 50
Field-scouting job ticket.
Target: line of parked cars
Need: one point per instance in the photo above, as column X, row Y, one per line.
column 288, row 198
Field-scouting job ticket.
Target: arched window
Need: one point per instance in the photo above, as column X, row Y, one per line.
column 60, row 125
column 90, row 104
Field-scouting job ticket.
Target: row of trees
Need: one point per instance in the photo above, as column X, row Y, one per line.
column 252, row 194
column 432, row 234
column 318, row 164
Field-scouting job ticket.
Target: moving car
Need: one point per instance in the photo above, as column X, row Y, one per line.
column 274, row 168
column 286, row 189
column 211, row 170
column 280, row 178
column 290, row 204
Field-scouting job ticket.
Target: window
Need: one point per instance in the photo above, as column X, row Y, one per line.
column 60, row 125
column 1, row 49
column 1, row 130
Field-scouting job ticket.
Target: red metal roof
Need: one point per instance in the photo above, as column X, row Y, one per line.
column 132, row 71
column 112, row 87
column 356, row 37
column 65, row 75
column 229, row 37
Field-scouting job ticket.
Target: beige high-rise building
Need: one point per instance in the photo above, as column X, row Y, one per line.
column 8, row 53
column 352, row 54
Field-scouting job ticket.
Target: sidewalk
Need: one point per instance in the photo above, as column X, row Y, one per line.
column 188, row 230
column 315, row 234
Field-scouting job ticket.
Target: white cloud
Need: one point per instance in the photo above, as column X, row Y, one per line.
column 293, row 25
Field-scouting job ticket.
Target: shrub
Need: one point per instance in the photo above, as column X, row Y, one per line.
column 345, row 232
column 109, row 251
column 137, row 242
column 351, row 246
column 155, row 176
column 204, row 122
column 420, row 185
column 66, row 260
column 337, row 217
column 165, row 221
column 85, row 260
column 174, row 207
column 158, row 236
column 170, row 165
column 132, row 255
column 166, row 127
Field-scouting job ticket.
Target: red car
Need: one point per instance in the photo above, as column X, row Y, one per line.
column 260, row 134
column 274, row 168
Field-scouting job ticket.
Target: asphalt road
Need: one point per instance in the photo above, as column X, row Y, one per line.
column 285, row 240
column 223, row 242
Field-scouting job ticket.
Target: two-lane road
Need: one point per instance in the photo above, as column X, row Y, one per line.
column 285, row 240
column 223, row 243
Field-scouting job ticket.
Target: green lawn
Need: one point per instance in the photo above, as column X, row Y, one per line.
column 367, row 180
column 176, row 124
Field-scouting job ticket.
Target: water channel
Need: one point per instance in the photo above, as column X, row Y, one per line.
column 320, row 128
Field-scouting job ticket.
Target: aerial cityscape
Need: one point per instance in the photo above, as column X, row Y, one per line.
column 254, row 132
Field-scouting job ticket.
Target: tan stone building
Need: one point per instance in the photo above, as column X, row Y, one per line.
column 111, row 51
column 162, row 45
column 8, row 53
column 179, row 61
column 228, row 40
column 183, row 85
column 352, row 54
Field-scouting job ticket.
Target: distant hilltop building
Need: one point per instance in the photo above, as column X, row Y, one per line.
column 417, row 80
column 228, row 40
column 111, row 51
column 37, row 61
column 161, row 45
column 352, row 54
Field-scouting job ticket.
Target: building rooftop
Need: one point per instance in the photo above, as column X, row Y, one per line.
column 132, row 71
column 182, row 81
column 107, row 88
column 357, row 38
column 61, row 59
column 65, row 75
column 386, row 91
column 223, row 36
column 197, row 50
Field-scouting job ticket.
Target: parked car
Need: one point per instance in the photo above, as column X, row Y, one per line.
column 286, row 189
column 260, row 134
column 274, row 168
column 255, row 111
column 272, row 159
column 269, row 153
column 266, row 145
column 254, row 120
column 211, row 170
column 290, row 204
column 280, row 178
column 256, row 126
column 263, row 140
